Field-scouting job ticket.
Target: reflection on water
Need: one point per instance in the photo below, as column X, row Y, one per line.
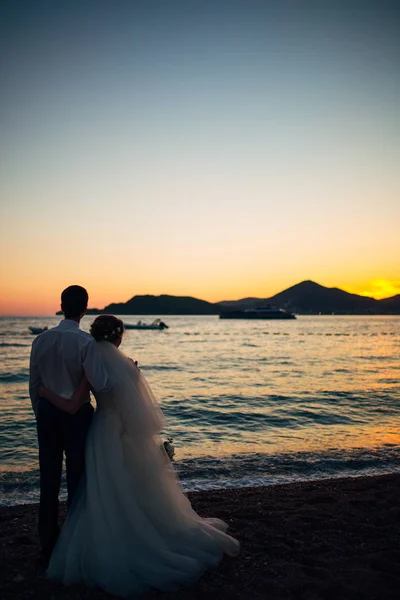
column 236, row 387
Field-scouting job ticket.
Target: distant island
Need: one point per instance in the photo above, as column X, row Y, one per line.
column 310, row 298
column 305, row 298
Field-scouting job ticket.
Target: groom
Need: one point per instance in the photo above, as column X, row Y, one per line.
column 60, row 358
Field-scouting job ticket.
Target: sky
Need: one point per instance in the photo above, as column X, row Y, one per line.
column 215, row 149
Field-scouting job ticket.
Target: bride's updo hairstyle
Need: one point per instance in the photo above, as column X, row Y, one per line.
column 107, row 327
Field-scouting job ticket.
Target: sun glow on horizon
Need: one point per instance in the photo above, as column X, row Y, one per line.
column 377, row 288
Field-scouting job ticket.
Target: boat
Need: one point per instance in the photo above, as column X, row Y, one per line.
column 157, row 324
column 261, row 312
column 37, row 330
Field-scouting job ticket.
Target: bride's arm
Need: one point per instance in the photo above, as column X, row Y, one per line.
column 72, row 405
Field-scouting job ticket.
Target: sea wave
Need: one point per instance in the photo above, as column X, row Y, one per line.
column 169, row 367
column 258, row 411
column 241, row 387
column 240, row 470
column 17, row 377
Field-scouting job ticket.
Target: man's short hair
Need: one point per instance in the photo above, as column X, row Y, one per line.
column 74, row 301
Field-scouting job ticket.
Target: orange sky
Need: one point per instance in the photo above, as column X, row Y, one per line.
column 43, row 299
column 217, row 154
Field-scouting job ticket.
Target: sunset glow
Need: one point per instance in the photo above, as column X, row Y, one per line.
column 379, row 288
column 219, row 151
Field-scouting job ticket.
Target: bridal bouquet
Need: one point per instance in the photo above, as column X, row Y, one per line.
column 169, row 448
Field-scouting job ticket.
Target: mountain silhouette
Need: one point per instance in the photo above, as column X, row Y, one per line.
column 391, row 304
column 162, row 305
column 306, row 297
column 309, row 297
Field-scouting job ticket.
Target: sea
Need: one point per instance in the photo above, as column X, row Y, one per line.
column 246, row 402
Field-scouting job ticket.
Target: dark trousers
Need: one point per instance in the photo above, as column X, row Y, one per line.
column 59, row 432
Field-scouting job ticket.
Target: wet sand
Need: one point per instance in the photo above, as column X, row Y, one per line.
column 336, row 539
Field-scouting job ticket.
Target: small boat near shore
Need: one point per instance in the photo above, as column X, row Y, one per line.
column 157, row 324
column 262, row 312
column 37, row 330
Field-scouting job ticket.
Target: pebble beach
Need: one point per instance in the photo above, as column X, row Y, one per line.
column 334, row 539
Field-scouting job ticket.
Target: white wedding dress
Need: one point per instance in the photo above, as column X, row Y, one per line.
column 130, row 526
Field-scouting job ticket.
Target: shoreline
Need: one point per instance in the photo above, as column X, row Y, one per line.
column 328, row 539
column 225, row 488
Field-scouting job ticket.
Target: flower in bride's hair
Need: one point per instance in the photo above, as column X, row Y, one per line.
column 106, row 337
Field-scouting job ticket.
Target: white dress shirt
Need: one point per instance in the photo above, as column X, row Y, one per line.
column 61, row 357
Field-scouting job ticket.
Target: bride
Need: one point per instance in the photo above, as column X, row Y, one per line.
column 130, row 526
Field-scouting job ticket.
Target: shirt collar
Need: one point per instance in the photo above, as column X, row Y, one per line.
column 68, row 324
